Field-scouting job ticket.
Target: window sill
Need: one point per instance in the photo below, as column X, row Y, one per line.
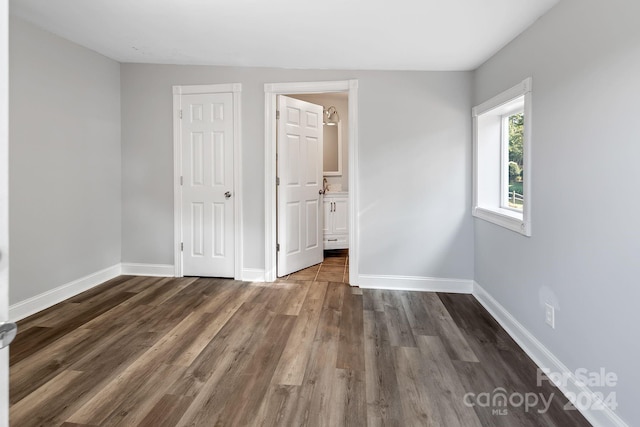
column 506, row 218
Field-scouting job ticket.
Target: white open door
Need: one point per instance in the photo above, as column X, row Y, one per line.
column 299, row 191
column 4, row 206
column 206, row 132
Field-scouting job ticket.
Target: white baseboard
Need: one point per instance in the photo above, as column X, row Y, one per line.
column 253, row 275
column 160, row 270
column 47, row 299
column 546, row 360
column 415, row 283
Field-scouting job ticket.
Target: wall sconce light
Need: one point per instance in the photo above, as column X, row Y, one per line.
column 331, row 117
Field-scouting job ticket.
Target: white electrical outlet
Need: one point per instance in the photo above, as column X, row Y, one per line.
column 550, row 315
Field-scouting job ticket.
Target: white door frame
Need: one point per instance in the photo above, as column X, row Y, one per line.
column 4, row 204
column 178, row 91
column 271, row 91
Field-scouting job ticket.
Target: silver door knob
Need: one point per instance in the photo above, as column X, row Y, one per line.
column 227, row 194
column 8, row 332
column 320, row 191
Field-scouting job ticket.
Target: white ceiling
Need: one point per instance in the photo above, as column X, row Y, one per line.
column 329, row 34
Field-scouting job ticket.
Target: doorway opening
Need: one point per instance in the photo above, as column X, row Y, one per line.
column 338, row 182
column 333, row 268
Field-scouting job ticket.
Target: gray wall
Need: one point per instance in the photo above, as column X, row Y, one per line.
column 414, row 164
column 64, row 161
column 583, row 256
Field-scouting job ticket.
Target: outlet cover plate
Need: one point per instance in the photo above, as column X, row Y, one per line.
column 550, row 315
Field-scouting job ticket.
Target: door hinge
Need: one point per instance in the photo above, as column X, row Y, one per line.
column 180, row 114
column 277, row 180
column 277, row 115
column 277, row 247
column 181, row 246
column 181, row 180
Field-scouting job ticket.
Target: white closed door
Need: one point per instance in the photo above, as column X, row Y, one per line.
column 207, row 185
column 300, row 219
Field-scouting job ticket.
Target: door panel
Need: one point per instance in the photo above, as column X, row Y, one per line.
column 313, row 211
column 207, row 169
column 328, row 208
column 300, row 172
column 341, row 216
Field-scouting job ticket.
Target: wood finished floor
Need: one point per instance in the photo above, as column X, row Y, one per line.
column 142, row 351
column 334, row 268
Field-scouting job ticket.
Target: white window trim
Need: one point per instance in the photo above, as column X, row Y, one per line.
column 507, row 218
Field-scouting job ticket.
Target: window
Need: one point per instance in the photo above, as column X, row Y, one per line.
column 512, row 165
column 502, row 143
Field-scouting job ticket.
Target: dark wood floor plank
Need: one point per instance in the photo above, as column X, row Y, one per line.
column 175, row 309
column 447, row 329
column 310, row 403
column 368, row 303
column 227, row 296
column 441, row 378
column 351, row 347
column 28, row 343
column 167, row 411
column 226, row 376
column 76, row 425
column 142, row 283
column 293, row 361
column 295, row 297
column 417, row 314
column 36, row 370
column 419, row 404
column 104, row 290
column 126, row 400
column 121, row 315
column 316, row 393
column 116, row 349
column 155, row 351
column 475, row 321
column 51, row 317
column 277, row 405
column 383, row 405
column 375, row 298
column 349, row 398
column 528, row 376
column 400, row 332
column 30, row 412
column 243, row 403
column 334, row 297
column 228, row 347
column 503, row 365
column 158, row 291
column 54, row 408
column 271, row 298
column 152, row 373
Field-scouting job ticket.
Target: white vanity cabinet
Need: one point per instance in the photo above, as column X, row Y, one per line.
column 336, row 220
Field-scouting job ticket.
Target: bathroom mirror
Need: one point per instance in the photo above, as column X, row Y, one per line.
column 332, row 150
